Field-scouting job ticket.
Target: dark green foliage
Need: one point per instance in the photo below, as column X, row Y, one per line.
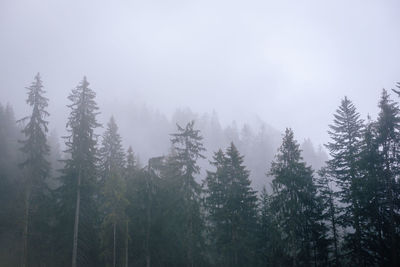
column 344, row 149
column 232, row 210
column 186, row 223
column 11, row 193
column 112, row 199
column 160, row 215
column 79, row 177
column 388, row 141
column 296, row 208
column 329, row 208
column 35, row 171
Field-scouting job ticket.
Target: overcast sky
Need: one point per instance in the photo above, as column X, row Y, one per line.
column 287, row 62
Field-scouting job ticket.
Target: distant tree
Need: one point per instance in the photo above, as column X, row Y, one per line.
column 113, row 198
column 131, row 164
column 188, row 147
column 79, row 178
column 11, row 189
column 147, row 216
column 35, row 166
column 232, row 208
column 296, row 207
column 344, row 150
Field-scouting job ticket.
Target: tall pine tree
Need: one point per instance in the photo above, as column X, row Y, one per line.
column 113, row 197
column 388, row 138
column 296, row 207
column 77, row 209
column 36, row 168
column 232, row 208
column 188, row 147
column 344, row 150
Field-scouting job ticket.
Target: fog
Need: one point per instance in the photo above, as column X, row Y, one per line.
column 262, row 80
column 286, row 62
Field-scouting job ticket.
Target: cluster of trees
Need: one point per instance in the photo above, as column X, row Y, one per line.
column 103, row 209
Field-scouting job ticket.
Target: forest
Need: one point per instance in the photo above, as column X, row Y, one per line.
column 96, row 204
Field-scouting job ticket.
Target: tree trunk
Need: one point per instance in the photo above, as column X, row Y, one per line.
column 148, row 222
column 115, row 241
column 76, row 224
column 26, row 226
column 126, row 244
column 335, row 237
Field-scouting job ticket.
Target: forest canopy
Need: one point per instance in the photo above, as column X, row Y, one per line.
column 217, row 197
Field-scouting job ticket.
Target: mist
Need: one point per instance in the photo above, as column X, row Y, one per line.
column 244, row 100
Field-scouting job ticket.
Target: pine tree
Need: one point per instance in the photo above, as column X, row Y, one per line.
column 113, row 200
column 388, row 138
column 79, row 178
column 34, row 146
column 328, row 197
column 130, row 170
column 10, row 189
column 295, row 205
column 187, row 144
column 232, row 207
column 131, row 164
column 270, row 247
column 344, row 150
column 373, row 196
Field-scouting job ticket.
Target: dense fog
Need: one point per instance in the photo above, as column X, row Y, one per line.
column 199, row 133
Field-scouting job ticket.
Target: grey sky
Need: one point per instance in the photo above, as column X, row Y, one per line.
column 288, row 62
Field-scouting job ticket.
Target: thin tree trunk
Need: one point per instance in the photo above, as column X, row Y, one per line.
column 115, row 241
column 126, row 244
column 191, row 262
column 76, row 224
column 148, row 223
column 26, row 226
column 334, row 230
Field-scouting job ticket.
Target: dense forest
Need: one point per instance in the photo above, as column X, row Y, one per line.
column 96, row 204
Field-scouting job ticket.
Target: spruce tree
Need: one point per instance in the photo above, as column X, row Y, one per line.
column 232, row 207
column 373, row 196
column 77, row 207
column 388, row 138
column 36, row 168
column 344, row 150
column 188, row 147
column 11, row 190
column 113, row 198
column 328, row 196
column 295, row 205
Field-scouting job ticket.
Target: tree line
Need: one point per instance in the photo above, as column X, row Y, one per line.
column 102, row 208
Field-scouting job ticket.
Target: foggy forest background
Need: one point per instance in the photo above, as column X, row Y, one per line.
column 216, row 196
column 199, row 133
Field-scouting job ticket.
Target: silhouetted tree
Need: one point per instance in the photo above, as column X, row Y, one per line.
column 344, row 150
column 232, row 207
column 79, row 178
column 36, row 167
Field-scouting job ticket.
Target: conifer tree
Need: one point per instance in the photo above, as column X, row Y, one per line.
column 328, row 197
column 270, row 247
column 388, row 138
column 131, row 164
column 34, row 146
column 344, row 150
column 113, row 200
column 232, row 207
column 187, row 144
column 79, row 177
column 295, row 205
column 11, row 189
column 373, row 196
